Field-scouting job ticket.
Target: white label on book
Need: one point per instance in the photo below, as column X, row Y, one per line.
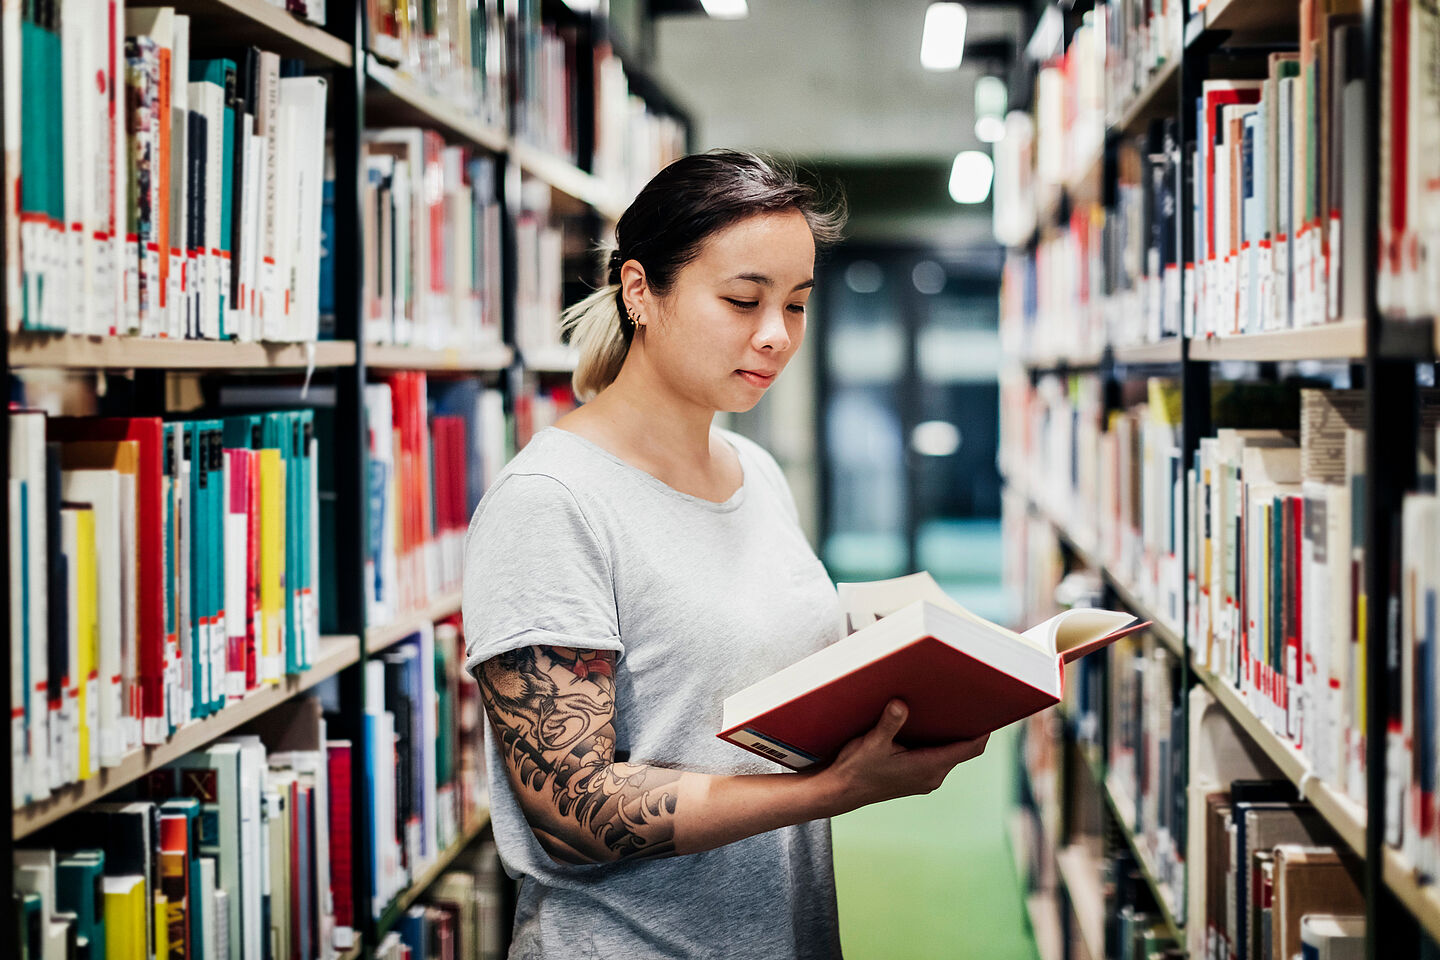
column 112, row 746
column 92, row 721
column 774, row 749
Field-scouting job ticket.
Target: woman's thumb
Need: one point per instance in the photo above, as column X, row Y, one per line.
column 893, row 719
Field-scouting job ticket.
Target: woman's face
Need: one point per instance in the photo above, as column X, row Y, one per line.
column 736, row 313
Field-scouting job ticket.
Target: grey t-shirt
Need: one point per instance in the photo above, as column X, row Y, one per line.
column 574, row 547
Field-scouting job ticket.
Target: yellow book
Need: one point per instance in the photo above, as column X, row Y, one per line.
column 125, row 921
column 162, row 930
column 88, row 664
column 272, row 565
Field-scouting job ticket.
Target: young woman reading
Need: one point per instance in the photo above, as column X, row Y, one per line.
column 632, row 567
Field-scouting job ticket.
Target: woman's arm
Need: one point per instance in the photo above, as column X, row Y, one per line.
column 553, row 709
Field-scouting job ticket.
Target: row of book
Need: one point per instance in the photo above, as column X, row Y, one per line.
column 1115, row 477
column 426, row 771
column 457, row 50
column 432, row 242
column 1278, row 204
column 162, row 570
column 159, row 194
column 632, row 141
column 539, row 282
column 427, row 474
column 460, row 918
column 1411, row 749
column 239, row 851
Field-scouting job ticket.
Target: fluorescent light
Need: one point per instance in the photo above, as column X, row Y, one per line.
column 726, row 9
column 989, row 129
column 970, row 177
column 943, row 44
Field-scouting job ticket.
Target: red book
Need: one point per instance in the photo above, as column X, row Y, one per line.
column 148, row 435
column 960, row 675
column 175, row 881
column 342, row 884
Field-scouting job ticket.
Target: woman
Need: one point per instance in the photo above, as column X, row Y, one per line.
column 631, row 568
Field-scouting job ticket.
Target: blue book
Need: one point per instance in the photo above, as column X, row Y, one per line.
column 79, row 889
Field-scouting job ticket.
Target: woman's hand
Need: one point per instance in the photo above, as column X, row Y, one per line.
column 873, row 767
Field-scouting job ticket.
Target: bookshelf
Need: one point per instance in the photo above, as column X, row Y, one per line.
column 1080, row 874
column 1350, row 339
column 363, row 93
column 336, row 653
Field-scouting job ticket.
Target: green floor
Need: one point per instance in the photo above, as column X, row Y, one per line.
column 933, row 877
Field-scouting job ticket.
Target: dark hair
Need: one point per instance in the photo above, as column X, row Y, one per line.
column 665, row 228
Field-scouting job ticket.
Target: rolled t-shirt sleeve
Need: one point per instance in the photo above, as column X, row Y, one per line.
column 536, row 574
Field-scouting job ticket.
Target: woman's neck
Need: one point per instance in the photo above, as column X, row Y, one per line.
column 656, row 424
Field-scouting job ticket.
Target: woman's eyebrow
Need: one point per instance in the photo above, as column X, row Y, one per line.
column 765, row 281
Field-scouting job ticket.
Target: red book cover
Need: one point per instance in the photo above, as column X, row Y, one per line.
column 238, row 473
column 925, row 654
column 252, row 579
column 337, row 758
column 148, row 435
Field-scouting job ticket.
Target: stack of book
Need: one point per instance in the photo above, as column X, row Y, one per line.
column 1051, row 296
column 1272, row 868
column 1146, row 776
column 547, row 88
column 456, row 50
column 539, row 283
column 226, row 853
column 432, row 242
column 162, row 570
column 460, row 918
column 1279, row 186
column 159, row 194
column 632, row 141
column 425, row 769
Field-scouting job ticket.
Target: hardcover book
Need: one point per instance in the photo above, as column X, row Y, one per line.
column 960, row 675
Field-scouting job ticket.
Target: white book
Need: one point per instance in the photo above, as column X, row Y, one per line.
column 306, row 97
column 27, row 463
column 267, row 121
column 237, row 322
column 287, row 226
column 19, row 733
column 212, row 314
column 252, row 779
column 250, row 235
column 223, row 899
column 207, row 907
column 179, row 175
column 101, row 489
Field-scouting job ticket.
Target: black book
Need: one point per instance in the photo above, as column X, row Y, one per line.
column 198, row 134
column 397, row 701
column 58, row 601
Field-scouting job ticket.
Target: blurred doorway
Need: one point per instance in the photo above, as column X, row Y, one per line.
column 908, row 358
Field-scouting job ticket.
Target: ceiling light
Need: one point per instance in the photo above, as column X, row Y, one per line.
column 990, row 102
column 943, row 44
column 989, row 129
column 970, row 177
column 726, row 9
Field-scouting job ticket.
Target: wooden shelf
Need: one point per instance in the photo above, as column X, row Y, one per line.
column 1161, row 351
column 262, row 24
column 389, row 634
column 1253, row 18
column 570, row 180
column 1344, row 341
column 1060, row 361
column 393, row 357
column 554, row 360
column 1158, row 98
column 1345, row 817
column 394, row 99
column 71, row 352
column 1421, row 899
column 442, row 863
column 1081, row 876
column 336, row 653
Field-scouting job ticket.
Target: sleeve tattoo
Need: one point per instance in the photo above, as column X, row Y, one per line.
column 553, row 709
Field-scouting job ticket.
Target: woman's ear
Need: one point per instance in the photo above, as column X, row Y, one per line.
column 634, row 290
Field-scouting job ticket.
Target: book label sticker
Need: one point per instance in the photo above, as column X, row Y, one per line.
column 773, row 749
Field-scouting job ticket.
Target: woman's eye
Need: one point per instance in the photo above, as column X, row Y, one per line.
column 797, row 308
column 742, row 304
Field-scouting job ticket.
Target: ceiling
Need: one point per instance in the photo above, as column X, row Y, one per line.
column 834, row 80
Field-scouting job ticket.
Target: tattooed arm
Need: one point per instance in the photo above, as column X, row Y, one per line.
column 553, row 710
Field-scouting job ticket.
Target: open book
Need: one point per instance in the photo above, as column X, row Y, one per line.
column 960, row 674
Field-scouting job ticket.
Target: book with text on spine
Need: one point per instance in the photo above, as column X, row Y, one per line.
column 960, row 675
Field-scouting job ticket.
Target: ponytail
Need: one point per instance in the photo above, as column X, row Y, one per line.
column 593, row 326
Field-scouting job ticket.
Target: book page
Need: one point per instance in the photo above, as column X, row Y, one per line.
column 1071, row 630
column 865, row 603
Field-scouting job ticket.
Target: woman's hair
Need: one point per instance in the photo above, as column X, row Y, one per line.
column 664, row 229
